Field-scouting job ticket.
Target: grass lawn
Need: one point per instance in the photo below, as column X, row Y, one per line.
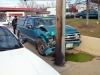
column 93, row 29
column 78, row 57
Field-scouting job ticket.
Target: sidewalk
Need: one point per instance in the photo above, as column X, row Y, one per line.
column 71, row 68
column 77, row 68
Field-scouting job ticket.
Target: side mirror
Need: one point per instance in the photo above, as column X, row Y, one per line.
column 23, row 40
column 29, row 26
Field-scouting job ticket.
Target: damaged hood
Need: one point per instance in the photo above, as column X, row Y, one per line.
column 52, row 29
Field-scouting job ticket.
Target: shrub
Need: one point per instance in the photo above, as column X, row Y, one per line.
column 69, row 16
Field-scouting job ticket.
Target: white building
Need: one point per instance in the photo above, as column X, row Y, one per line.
column 52, row 11
column 81, row 8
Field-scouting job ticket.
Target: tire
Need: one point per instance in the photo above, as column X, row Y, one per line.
column 81, row 17
column 18, row 34
column 41, row 46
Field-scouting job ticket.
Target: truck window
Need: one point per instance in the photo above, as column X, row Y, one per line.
column 44, row 21
column 83, row 12
column 30, row 21
column 93, row 11
column 20, row 22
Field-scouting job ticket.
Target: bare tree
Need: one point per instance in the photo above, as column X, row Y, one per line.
column 48, row 4
column 42, row 6
column 86, row 2
column 53, row 4
column 27, row 4
column 87, row 13
column 32, row 4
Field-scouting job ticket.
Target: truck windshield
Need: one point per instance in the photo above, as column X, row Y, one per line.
column 44, row 21
column 7, row 40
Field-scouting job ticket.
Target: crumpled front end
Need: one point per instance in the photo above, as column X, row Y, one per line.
column 51, row 46
column 51, row 43
column 72, row 40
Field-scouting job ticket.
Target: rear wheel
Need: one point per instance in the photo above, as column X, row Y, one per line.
column 41, row 46
column 81, row 17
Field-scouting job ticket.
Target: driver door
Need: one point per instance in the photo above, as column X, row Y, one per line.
column 31, row 32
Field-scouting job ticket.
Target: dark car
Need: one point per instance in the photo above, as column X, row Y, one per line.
column 93, row 14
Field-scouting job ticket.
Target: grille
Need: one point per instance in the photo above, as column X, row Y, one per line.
column 72, row 37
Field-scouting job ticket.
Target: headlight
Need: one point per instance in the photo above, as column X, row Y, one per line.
column 67, row 37
column 77, row 36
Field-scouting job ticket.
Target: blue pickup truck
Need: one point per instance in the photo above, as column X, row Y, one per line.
column 42, row 31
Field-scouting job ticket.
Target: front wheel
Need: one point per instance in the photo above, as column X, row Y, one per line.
column 41, row 47
column 19, row 35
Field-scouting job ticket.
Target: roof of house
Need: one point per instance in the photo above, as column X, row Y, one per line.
column 42, row 12
column 16, row 9
column 7, row 9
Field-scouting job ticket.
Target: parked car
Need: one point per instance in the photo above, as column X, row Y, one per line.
column 93, row 14
column 42, row 30
column 5, row 22
column 15, row 59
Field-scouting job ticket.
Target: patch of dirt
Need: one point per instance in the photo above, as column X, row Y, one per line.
column 87, row 27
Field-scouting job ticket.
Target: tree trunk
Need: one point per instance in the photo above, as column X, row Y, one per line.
column 87, row 11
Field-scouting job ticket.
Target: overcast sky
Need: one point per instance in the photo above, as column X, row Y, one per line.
column 14, row 3
column 8, row 3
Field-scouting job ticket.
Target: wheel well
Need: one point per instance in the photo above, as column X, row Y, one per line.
column 80, row 16
column 42, row 38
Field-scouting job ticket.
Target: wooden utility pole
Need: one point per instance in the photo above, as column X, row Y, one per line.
column 59, row 56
